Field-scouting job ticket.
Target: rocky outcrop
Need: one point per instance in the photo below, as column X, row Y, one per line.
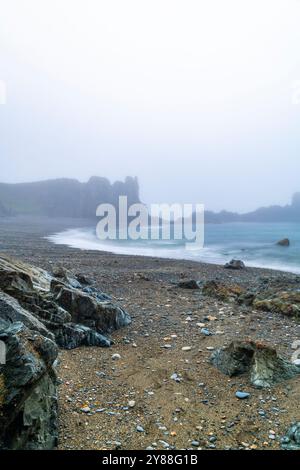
column 222, row 291
column 284, row 242
column 275, row 299
column 286, row 302
column 65, row 197
column 264, row 365
column 292, row 439
column 76, row 315
column 235, row 264
column 39, row 313
column 28, row 397
column 189, row 284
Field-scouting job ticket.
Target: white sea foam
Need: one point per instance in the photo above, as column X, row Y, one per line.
column 263, row 254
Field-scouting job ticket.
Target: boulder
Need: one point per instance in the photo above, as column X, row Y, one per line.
column 221, row 291
column 38, row 313
column 265, row 367
column 235, row 264
column 76, row 315
column 291, row 441
column 285, row 242
column 189, row 284
column 286, row 302
column 28, row 397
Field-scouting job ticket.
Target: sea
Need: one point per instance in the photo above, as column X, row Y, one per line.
column 254, row 243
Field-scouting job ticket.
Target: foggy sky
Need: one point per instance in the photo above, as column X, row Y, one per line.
column 199, row 99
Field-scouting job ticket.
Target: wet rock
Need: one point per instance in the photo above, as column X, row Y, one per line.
column 242, row 395
column 286, row 303
column 205, row 332
column 222, row 291
column 264, row 365
column 189, row 284
column 235, row 264
column 28, row 398
column 140, row 429
column 285, row 242
column 116, row 357
column 61, row 305
column 292, row 439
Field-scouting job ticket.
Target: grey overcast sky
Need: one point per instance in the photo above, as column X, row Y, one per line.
column 200, row 99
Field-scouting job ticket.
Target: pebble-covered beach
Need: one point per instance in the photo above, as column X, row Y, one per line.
column 156, row 388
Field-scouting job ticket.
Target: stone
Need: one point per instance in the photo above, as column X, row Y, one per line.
column 176, row 377
column 38, row 313
column 284, row 302
column 195, row 443
column 292, row 439
column 189, row 284
column 285, row 242
column 235, row 264
column 116, row 357
column 131, row 404
column 264, row 366
column 28, row 395
column 85, row 409
column 222, row 291
column 186, row 348
column 242, row 395
column 60, row 306
column 140, row 429
column 206, row 332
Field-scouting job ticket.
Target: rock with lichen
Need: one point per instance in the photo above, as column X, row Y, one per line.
column 264, row 366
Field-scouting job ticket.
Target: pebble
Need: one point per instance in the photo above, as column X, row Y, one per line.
column 116, row 357
column 186, row 348
column 131, row 404
column 195, row 443
column 242, row 395
column 175, row 377
column 205, row 332
column 85, row 409
column 140, row 429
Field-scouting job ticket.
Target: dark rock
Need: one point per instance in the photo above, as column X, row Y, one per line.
column 235, row 264
column 60, row 305
column 83, row 280
column 37, row 313
column 262, row 362
column 284, row 302
column 292, row 439
column 222, row 291
column 189, row 284
column 28, row 400
column 284, row 242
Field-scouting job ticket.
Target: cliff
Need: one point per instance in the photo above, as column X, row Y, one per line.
column 64, row 197
column 288, row 213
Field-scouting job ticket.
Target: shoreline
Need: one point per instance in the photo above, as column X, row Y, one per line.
column 202, row 407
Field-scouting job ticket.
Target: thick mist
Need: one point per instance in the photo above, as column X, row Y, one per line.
column 198, row 99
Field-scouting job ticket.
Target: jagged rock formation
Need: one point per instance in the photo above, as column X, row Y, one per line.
column 76, row 315
column 264, row 365
column 275, row 299
column 28, row 399
column 235, row 264
column 65, row 197
column 222, row 291
column 38, row 313
column 285, row 242
column 292, row 439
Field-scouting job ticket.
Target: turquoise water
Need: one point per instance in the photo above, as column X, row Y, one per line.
column 254, row 243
